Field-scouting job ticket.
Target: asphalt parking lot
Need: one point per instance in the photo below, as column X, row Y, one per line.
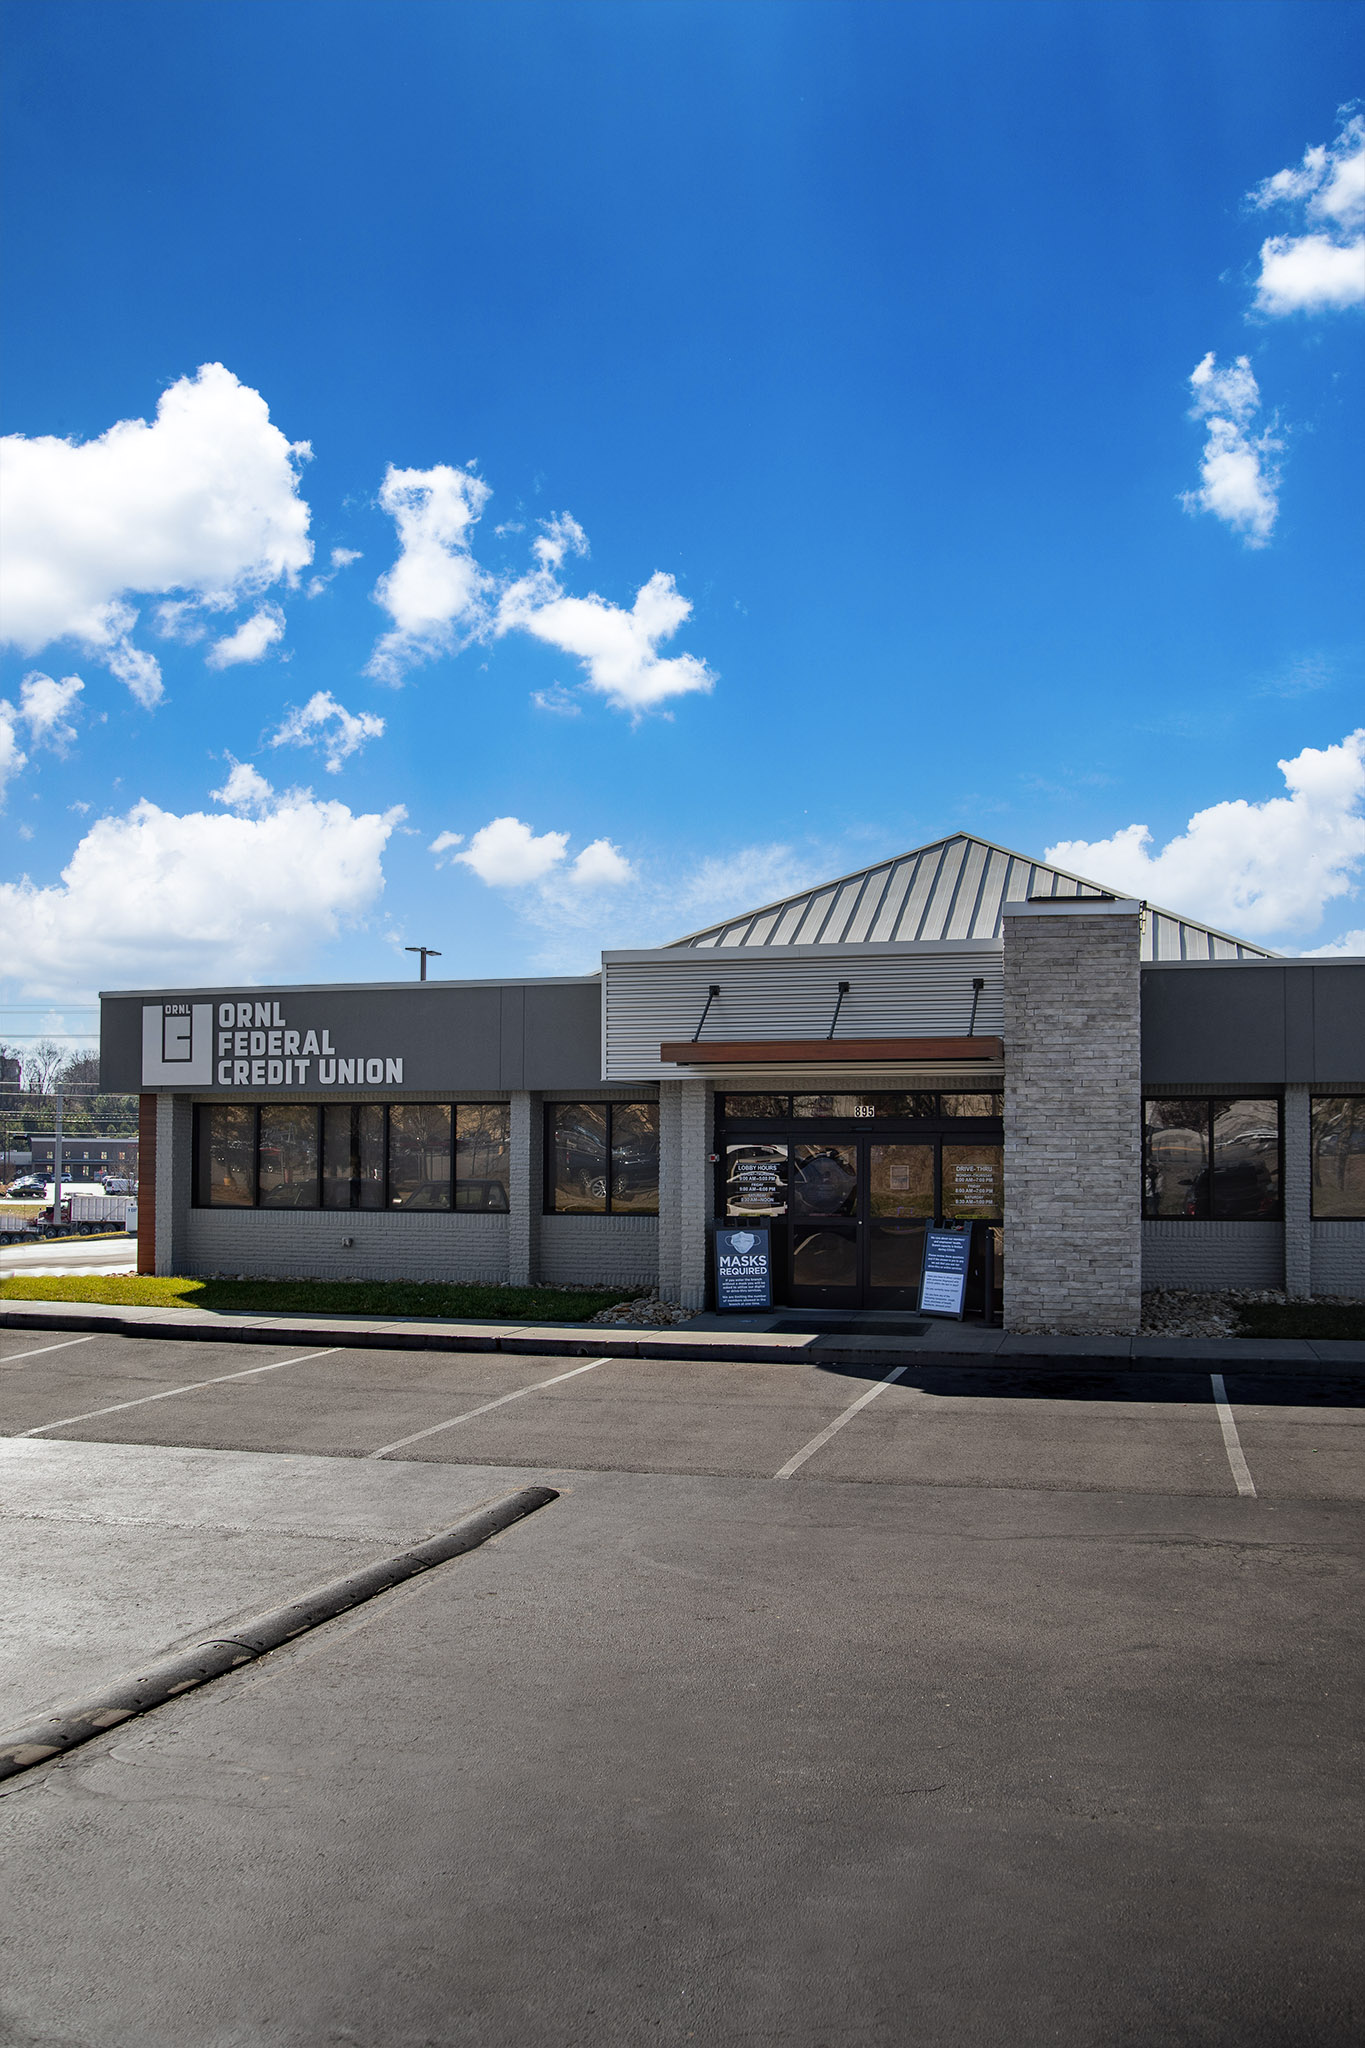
column 1007, row 1712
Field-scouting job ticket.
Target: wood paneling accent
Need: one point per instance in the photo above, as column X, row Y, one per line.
column 800, row 1052
column 146, row 1184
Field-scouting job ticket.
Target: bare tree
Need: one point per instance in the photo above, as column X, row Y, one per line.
column 42, row 1063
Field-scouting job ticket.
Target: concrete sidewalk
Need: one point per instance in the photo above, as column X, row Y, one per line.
column 919, row 1343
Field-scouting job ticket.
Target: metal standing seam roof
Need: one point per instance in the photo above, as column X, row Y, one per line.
column 955, row 888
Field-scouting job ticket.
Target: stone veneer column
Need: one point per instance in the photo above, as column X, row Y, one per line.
column 173, row 1170
column 1073, row 1105
column 697, row 1203
column 670, row 1190
column 526, row 1188
column 1298, row 1192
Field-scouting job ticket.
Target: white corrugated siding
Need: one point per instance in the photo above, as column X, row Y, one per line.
column 908, row 994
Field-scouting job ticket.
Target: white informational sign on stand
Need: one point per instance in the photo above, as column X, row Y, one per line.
column 943, row 1286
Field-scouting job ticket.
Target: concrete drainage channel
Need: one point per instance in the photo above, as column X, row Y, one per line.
column 187, row 1670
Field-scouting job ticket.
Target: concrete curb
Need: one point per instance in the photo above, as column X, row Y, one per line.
column 972, row 1350
column 187, row 1670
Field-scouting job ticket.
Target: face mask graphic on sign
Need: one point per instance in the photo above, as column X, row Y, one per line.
column 177, row 1044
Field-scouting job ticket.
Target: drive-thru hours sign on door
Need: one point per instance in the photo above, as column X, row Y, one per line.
column 743, row 1269
column 945, row 1271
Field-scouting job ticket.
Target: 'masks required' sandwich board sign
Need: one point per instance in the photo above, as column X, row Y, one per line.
column 744, row 1276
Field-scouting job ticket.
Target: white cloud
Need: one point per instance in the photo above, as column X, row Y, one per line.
column 1351, row 944
column 12, row 756
column 1322, row 269
column 1255, row 869
column 342, row 558
column 252, row 640
column 434, row 593
column 44, row 703
column 1310, row 274
column 1239, row 480
column 156, row 898
column 600, row 866
column 619, row 649
column 558, row 700
column 507, row 854
column 245, row 790
column 323, row 722
column 203, row 501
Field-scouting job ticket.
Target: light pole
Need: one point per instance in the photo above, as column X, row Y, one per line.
column 427, row 953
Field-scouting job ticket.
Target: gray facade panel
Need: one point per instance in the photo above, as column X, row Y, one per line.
column 562, row 1035
column 1252, row 1023
column 449, row 1037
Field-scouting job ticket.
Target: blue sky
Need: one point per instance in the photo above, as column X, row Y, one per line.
column 867, row 332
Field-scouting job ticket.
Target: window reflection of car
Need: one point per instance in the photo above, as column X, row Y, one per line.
column 484, row 1195
column 424, row 1194
column 1242, row 1191
column 826, row 1184
column 580, row 1162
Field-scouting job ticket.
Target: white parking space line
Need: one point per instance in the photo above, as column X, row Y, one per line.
column 832, row 1429
column 1232, row 1443
column 43, row 1349
column 115, row 1407
column 402, row 1442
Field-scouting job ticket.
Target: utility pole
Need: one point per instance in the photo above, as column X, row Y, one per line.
column 427, row 953
column 57, row 1158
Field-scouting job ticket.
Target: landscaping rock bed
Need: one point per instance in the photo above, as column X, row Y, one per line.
column 1183, row 1312
column 646, row 1312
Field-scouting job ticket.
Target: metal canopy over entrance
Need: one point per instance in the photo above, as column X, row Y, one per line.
column 848, row 1182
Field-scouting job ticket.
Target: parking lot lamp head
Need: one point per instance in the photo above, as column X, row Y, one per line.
column 427, row 953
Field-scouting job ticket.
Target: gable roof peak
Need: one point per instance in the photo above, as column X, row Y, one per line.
column 950, row 888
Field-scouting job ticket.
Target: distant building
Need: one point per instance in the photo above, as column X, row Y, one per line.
column 87, row 1158
column 1105, row 1094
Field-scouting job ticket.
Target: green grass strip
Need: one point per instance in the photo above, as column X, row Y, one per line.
column 1321, row 1319
column 319, row 1297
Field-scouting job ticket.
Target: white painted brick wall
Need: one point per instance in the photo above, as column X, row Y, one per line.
column 605, row 1251
column 1206, row 1256
column 1339, row 1259
column 306, row 1243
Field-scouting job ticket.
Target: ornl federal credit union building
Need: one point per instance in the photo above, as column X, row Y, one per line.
column 1118, row 1097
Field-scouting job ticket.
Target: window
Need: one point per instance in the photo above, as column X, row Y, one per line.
column 973, row 1183
column 287, row 1150
column 1338, row 1150
column 483, row 1146
column 845, row 1106
column 602, row 1158
column 1211, row 1158
column 753, row 1108
column 353, row 1155
column 227, row 1157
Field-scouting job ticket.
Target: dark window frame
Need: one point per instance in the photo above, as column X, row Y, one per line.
column 319, row 1207
column 1210, row 1105
column 548, row 1185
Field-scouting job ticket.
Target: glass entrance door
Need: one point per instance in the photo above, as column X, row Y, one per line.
column 848, row 1207
column 826, row 1178
column 900, row 1203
